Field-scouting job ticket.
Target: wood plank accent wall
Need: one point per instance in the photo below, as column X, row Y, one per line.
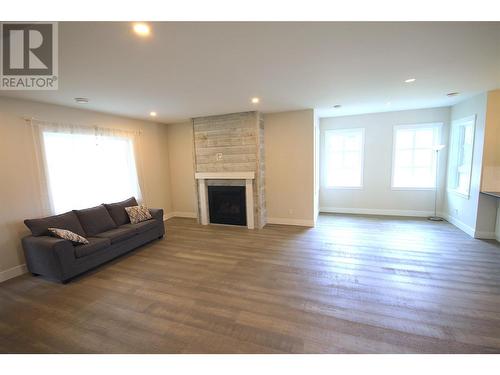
column 239, row 137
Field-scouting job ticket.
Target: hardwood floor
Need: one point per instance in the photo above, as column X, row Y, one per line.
column 353, row 284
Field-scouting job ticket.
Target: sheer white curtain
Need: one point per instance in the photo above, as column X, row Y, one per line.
column 83, row 166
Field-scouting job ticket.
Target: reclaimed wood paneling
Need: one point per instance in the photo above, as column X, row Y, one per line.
column 239, row 137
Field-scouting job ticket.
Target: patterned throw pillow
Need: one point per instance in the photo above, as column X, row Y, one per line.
column 138, row 214
column 68, row 235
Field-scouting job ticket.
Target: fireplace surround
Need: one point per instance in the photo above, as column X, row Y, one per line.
column 245, row 180
column 229, row 151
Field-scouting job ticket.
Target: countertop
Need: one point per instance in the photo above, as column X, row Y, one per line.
column 495, row 194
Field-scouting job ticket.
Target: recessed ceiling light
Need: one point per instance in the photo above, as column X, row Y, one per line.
column 452, row 94
column 152, row 114
column 142, row 29
column 255, row 100
column 336, row 106
column 82, row 100
column 410, row 80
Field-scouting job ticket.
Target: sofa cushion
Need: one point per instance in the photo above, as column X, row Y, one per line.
column 118, row 234
column 117, row 210
column 95, row 220
column 68, row 235
column 67, row 220
column 95, row 244
column 143, row 226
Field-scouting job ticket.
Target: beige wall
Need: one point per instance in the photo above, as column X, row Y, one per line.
column 19, row 185
column 289, row 157
column 180, row 154
column 491, row 155
column 376, row 196
column 317, row 142
column 490, row 179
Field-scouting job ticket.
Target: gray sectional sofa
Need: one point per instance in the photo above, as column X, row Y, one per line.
column 107, row 228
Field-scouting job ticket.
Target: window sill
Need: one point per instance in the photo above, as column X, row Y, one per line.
column 459, row 193
column 343, row 187
column 413, row 188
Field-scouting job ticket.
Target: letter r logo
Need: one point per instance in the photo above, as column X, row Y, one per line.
column 27, row 49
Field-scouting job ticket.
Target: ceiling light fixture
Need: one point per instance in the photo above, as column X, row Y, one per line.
column 337, row 106
column 450, row 94
column 142, row 29
column 255, row 100
column 81, row 100
column 410, row 80
column 152, row 114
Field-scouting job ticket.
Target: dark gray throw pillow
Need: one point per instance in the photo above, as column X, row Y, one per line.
column 67, row 220
column 117, row 210
column 95, row 220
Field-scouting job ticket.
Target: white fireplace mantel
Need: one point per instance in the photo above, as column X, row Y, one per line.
column 225, row 175
column 202, row 191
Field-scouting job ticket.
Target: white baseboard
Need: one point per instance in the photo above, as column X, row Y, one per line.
column 169, row 215
column 469, row 230
column 485, row 235
column 459, row 224
column 375, row 211
column 13, row 272
column 286, row 221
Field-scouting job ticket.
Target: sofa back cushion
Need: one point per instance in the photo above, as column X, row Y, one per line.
column 67, row 220
column 95, row 220
column 117, row 210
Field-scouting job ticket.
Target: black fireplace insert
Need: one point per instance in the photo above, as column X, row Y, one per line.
column 227, row 205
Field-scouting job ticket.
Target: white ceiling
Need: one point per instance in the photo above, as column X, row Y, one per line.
column 193, row 69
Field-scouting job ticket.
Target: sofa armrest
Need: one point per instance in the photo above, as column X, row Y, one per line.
column 157, row 213
column 48, row 255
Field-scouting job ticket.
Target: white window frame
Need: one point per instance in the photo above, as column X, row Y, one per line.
column 462, row 122
column 436, row 125
column 362, row 158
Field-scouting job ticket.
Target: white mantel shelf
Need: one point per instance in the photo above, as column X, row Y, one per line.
column 202, row 191
column 225, row 175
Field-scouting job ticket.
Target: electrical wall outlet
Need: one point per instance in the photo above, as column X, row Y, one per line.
column 218, row 156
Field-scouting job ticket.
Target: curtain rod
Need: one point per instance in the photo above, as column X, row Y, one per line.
column 30, row 119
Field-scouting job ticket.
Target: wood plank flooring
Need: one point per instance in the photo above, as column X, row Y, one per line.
column 353, row 284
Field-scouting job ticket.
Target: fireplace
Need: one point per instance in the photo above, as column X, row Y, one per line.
column 227, row 205
column 226, row 181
